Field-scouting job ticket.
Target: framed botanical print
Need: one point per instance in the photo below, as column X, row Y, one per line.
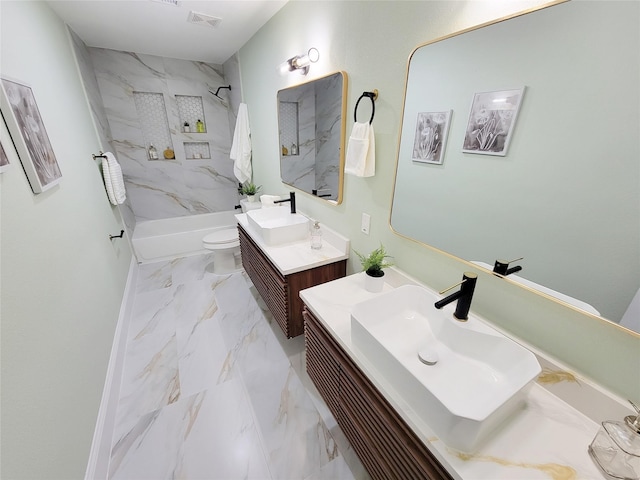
column 491, row 121
column 23, row 120
column 430, row 137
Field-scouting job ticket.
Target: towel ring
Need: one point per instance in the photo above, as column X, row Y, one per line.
column 373, row 96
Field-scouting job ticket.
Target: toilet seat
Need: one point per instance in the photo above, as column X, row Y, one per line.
column 223, row 238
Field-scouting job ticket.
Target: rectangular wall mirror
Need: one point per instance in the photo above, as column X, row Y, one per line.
column 566, row 193
column 311, row 126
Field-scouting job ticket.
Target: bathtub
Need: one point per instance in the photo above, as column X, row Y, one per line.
column 167, row 238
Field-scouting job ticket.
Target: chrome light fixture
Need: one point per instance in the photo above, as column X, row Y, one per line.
column 300, row 63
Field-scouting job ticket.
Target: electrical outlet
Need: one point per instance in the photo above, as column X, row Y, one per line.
column 365, row 224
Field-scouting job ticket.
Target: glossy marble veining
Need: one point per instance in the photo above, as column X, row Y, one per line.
column 213, row 390
column 167, row 188
column 98, row 113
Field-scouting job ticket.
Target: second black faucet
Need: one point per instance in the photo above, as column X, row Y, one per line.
column 501, row 267
column 292, row 199
column 463, row 296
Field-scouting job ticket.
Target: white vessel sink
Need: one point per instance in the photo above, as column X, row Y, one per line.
column 480, row 377
column 277, row 225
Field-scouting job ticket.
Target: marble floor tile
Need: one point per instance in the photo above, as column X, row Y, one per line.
column 335, row 469
column 212, row 389
column 152, row 276
column 188, row 269
column 153, row 311
column 150, row 379
column 210, row 435
column 295, row 437
column 202, row 354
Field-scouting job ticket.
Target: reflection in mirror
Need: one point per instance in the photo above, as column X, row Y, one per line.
column 311, row 125
column 566, row 195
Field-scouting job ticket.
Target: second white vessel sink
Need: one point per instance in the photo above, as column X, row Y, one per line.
column 277, row 225
column 480, row 376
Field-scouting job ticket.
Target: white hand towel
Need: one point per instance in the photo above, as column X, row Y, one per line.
column 361, row 151
column 241, row 146
column 267, row 200
column 113, row 180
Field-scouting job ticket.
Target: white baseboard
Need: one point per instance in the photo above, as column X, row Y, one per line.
column 99, row 456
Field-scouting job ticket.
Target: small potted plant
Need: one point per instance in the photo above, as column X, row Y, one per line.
column 372, row 265
column 250, row 189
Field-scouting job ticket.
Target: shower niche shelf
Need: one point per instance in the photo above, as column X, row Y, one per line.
column 190, row 110
column 197, row 150
column 289, row 121
column 152, row 116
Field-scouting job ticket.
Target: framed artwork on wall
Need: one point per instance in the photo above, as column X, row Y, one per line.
column 430, row 137
column 491, row 121
column 29, row 135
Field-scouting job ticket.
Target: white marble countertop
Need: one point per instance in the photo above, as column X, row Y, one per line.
column 298, row 256
column 546, row 440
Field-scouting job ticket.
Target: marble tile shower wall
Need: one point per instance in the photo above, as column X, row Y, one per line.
column 232, row 97
column 328, row 130
column 167, row 188
column 299, row 169
column 90, row 82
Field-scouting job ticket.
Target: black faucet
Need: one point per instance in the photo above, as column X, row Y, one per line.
column 292, row 199
column 501, row 267
column 464, row 296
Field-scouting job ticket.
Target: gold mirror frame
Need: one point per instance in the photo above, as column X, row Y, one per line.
column 463, row 114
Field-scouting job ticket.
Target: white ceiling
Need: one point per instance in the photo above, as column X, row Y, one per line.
column 157, row 28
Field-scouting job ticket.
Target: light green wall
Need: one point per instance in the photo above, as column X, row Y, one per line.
column 62, row 278
column 371, row 41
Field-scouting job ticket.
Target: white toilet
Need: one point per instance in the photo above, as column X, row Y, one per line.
column 225, row 245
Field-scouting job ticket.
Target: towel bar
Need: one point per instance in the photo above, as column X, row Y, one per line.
column 373, row 96
column 100, row 155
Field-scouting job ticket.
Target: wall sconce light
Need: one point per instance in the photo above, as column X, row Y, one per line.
column 300, row 62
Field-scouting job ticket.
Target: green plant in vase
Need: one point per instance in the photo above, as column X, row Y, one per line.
column 250, row 190
column 373, row 265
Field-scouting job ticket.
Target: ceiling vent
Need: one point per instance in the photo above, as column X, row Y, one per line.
column 203, row 19
column 175, row 3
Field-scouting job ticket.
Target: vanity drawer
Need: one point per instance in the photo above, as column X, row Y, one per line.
column 322, row 366
column 385, row 444
column 281, row 292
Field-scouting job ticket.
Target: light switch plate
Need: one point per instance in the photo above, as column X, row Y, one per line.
column 365, row 224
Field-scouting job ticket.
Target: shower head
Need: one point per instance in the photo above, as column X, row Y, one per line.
column 218, row 90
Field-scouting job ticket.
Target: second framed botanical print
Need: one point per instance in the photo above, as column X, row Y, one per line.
column 491, row 121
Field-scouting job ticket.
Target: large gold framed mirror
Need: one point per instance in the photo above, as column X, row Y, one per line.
column 566, row 194
column 311, row 128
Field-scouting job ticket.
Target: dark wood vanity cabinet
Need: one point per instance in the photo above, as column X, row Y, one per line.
column 281, row 292
column 385, row 444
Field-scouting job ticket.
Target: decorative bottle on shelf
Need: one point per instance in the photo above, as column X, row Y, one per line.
column 153, row 153
column 316, row 236
column 294, row 149
column 285, row 151
column 616, row 447
column 199, row 126
column 169, row 154
column 186, row 128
